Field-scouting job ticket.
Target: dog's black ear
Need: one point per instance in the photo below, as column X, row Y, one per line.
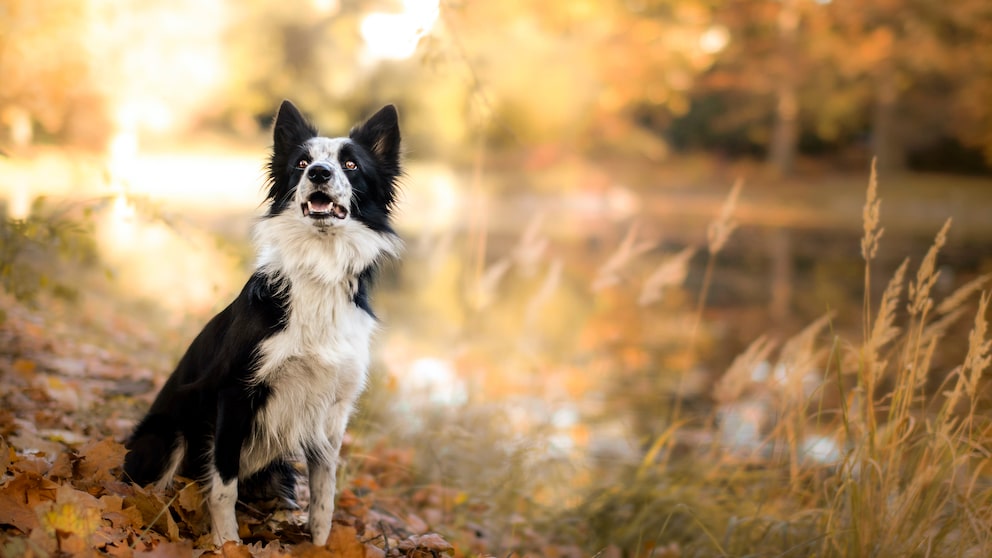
column 380, row 134
column 291, row 129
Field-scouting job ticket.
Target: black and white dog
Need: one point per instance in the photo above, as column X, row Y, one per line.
column 277, row 373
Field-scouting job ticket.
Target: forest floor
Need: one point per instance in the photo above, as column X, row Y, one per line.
column 67, row 402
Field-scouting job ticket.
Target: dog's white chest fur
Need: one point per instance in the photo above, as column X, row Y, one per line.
column 315, row 368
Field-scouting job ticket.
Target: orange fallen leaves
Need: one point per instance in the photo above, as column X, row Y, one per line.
column 61, row 491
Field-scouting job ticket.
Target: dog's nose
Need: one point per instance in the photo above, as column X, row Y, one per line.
column 319, row 173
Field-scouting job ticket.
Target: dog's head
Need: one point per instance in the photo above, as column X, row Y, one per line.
column 330, row 183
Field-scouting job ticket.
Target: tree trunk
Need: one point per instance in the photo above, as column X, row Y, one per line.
column 885, row 143
column 785, row 136
column 782, row 154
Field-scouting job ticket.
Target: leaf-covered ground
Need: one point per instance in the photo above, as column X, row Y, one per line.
column 67, row 403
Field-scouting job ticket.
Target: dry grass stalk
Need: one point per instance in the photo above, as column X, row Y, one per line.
column 883, row 329
column 720, row 230
column 739, row 375
column 927, row 275
column 799, row 357
column 485, row 289
column 547, row 290
column 871, row 215
column 532, row 246
column 672, row 272
column 796, row 352
column 935, row 330
column 609, row 273
column 717, row 234
column 975, row 361
column 962, row 294
column 978, row 358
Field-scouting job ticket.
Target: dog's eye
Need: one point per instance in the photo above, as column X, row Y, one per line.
column 350, row 165
column 302, row 163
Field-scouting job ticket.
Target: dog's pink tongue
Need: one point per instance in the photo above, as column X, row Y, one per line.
column 319, row 206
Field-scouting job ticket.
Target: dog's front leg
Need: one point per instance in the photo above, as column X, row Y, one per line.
column 223, row 497
column 322, row 463
column 232, row 427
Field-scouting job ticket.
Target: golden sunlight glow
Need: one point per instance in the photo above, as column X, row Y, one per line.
column 394, row 36
column 714, row 39
column 152, row 76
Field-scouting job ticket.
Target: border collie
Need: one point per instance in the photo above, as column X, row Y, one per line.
column 277, row 373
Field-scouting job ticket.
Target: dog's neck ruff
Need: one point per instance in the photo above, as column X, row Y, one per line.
column 291, row 247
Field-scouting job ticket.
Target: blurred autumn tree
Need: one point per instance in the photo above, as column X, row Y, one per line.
column 46, row 74
column 769, row 77
column 904, row 73
column 278, row 54
column 584, row 74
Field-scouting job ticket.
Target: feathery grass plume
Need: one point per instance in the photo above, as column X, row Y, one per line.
column 716, row 235
column 975, row 361
column 799, row 356
column 935, row 330
column 670, row 273
column 485, row 289
column 530, row 249
column 884, row 329
column 798, row 349
column 950, row 309
column 545, row 291
column 720, row 230
column 871, row 215
column 978, row 358
column 609, row 273
column 962, row 293
column 926, row 276
column 738, row 376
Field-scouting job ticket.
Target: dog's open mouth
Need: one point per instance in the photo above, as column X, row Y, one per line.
column 320, row 206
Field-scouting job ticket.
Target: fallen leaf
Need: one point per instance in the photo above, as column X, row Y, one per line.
column 111, row 503
column 71, row 518
column 24, row 367
column 431, row 542
column 30, row 443
column 154, row 512
column 129, row 517
column 190, row 498
column 347, row 500
column 233, row 549
column 188, row 505
column 310, row 550
column 64, row 465
column 6, row 455
column 100, row 460
column 64, row 393
column 30, row 489
column 17, row 514
column 343, row 542
column 181, row 549
column 108, row 535
column 416, row 524
column 271, row 550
